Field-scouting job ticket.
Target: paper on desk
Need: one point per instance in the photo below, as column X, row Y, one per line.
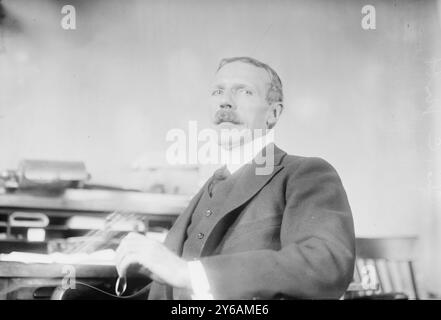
column 101, row 257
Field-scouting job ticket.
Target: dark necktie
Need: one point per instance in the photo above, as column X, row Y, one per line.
column 220, row 174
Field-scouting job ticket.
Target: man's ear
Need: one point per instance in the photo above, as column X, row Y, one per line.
column 274, row 112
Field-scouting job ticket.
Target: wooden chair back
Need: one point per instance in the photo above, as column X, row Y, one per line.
column 386, row 266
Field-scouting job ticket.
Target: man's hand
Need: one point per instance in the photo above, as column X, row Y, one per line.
column 152, row 259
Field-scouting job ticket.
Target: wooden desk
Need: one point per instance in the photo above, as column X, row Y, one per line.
column 22, row 280
column 153, row 210
column 99, row 201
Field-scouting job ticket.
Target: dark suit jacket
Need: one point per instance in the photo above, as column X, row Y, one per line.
column 288, row 234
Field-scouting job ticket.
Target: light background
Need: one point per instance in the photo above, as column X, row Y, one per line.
column 108, row 92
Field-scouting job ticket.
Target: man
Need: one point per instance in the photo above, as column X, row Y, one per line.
column 286, row 233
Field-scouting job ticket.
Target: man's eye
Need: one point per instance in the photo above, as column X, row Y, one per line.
column 216, row 92
column 246, row 92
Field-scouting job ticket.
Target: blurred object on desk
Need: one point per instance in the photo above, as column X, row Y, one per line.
column 99, row 201
column 45, row 175
column 8, row 180
column 85, row 223
column 166, row 178
column 106, row 236
column 174, row 179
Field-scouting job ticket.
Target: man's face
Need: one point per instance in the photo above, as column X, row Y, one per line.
column 238, row 101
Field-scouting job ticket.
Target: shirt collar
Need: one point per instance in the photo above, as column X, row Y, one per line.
column 237, row 157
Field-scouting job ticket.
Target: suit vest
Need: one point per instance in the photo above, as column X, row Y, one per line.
column 202, row 220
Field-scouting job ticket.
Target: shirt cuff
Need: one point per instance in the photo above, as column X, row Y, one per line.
column 199, row 281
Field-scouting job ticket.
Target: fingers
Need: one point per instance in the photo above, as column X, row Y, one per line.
column 123, row 264
column 133, row 249
column 157, row 278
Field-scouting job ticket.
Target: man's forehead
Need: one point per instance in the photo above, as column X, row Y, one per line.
column 240, row 71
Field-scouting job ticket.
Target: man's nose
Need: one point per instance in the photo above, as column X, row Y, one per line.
column 227, row 102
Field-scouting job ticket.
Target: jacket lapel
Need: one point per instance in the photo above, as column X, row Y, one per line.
column 248, row 184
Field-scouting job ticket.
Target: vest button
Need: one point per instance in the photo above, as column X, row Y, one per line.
column 200, row 235
column 208, row 213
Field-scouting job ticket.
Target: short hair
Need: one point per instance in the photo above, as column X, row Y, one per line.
column 275, row 91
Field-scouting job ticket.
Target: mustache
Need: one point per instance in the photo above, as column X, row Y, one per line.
column 226, row 116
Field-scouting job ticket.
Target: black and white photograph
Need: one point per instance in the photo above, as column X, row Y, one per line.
column 220, row 150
